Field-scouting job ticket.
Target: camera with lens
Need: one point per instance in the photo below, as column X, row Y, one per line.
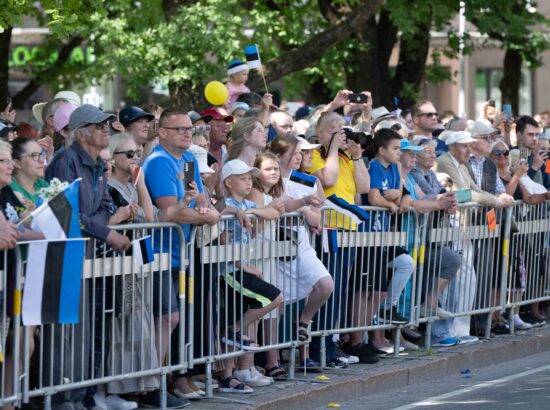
column 361, row 138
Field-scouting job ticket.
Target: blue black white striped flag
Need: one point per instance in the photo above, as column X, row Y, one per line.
column 357, row 214
column 252, row 54
column 142, row 251
column 53, row 280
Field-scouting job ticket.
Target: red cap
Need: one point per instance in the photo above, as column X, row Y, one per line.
column 215, row 114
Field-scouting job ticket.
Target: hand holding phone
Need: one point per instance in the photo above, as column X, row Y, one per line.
column 508, row 110
column 358, row 98
column 188, row 173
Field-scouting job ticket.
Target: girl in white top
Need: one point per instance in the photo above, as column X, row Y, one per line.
column 304, row 276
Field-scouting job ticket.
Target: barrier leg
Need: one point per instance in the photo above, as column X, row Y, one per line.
column 396, row 341
column 488, row 325
column 163, row 390
column 47, row 402
column 292, row 362
column 323, row 352
column 428, row 336
column 209, row 393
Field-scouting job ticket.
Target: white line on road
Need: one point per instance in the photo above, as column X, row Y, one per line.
column 433, row 400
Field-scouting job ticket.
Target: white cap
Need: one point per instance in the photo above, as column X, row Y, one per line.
column 390, row 123
column 202, row 158
column 480, row 128
column 70, row 96
column 379, row 114
column 237, row 167
column 444, row 135
column 303, row 144
column 459, row 137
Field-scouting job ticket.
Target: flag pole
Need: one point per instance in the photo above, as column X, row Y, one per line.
column 263, row 78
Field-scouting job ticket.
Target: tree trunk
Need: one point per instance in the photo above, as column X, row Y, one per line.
column 368, row 71
column 5, row 41
column 411, row 66
column 509, row 85
column 187, row 97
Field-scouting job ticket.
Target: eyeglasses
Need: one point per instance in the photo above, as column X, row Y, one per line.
column 201, row 129
column 6, row 161
column 486, row 137
column 101, row 125
column 131, row 153
column 36, row 156
column 428, row 114
column 500, row 152
column 181, row 130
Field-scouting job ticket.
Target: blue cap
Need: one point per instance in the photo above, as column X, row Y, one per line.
column 132, row 113
column 406, row 145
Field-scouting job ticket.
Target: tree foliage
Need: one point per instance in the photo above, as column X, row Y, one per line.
column 317, row 46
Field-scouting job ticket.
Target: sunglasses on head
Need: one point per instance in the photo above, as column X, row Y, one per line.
column 500, row 152
column 131, row 153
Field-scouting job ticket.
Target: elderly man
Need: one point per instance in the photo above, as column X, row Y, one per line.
column 89, row 127
column 454, row 163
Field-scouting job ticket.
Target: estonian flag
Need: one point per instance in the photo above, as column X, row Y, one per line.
column 330, row 241
column 59, row 217
column 53, row 281
column 252, row 54
column 142, row 250
column 357, row 214
column 303, row 179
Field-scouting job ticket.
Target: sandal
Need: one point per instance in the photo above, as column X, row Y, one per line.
column 303, row 333
column 277, row 372
column 240, row 388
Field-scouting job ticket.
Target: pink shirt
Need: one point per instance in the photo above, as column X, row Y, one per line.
column 234, row 92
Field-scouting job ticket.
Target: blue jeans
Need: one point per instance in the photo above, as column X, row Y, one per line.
column 339, row 266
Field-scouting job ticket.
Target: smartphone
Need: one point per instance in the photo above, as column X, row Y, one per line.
column 523, row 154
column 463, row 195
column 358, row 98
column 508, row 110
column 188, row 173
column 8, row 102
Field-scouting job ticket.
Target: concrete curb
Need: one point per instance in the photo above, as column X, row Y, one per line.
column 360, row 380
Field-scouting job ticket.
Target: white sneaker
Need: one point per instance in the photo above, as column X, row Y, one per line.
column 463, row 340
column 256, row 380
column 521, row 325
column 115, row 402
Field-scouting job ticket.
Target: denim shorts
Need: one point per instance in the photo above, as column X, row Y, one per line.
column 164, row 290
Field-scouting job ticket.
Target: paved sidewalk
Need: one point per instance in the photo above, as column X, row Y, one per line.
column 391, row 372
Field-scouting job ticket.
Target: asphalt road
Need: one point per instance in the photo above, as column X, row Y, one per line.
column 523, row 382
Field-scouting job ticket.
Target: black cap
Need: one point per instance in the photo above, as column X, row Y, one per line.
column 132, row 113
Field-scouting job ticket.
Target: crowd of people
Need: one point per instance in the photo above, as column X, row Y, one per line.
column 251, row 158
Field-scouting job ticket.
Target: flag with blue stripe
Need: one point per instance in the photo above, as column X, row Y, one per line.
column 142, row 251
column 357, row 214
column 252, row 54
column 303, row 179
column 53, row 281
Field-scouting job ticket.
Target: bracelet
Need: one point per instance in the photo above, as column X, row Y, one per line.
column 356, row 159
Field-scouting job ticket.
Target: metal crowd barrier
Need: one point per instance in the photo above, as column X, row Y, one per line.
column 115, row 342
column 220, row 301
column 497, row 270
column 529, row 265
column 478, row 286
column 359, row 257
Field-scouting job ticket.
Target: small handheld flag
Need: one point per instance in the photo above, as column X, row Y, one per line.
column 59, row 217
column 252, row 54
column 136, row 174
column 53, row 281
column 142, row 250
column 357, row 214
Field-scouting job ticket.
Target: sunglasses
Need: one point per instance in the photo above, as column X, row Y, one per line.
column 428, row 114
column 131, row 153
column 500, row 152
column 101, row 125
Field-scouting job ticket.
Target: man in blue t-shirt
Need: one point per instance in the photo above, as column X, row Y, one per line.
column 184, row 205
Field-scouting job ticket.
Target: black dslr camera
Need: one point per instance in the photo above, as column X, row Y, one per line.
column 360, row 138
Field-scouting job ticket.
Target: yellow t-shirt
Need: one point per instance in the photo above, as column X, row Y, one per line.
column 344, row 188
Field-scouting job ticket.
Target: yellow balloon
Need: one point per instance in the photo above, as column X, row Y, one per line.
column 216, row 93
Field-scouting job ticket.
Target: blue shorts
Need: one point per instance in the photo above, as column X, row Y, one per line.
column 165, row 297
